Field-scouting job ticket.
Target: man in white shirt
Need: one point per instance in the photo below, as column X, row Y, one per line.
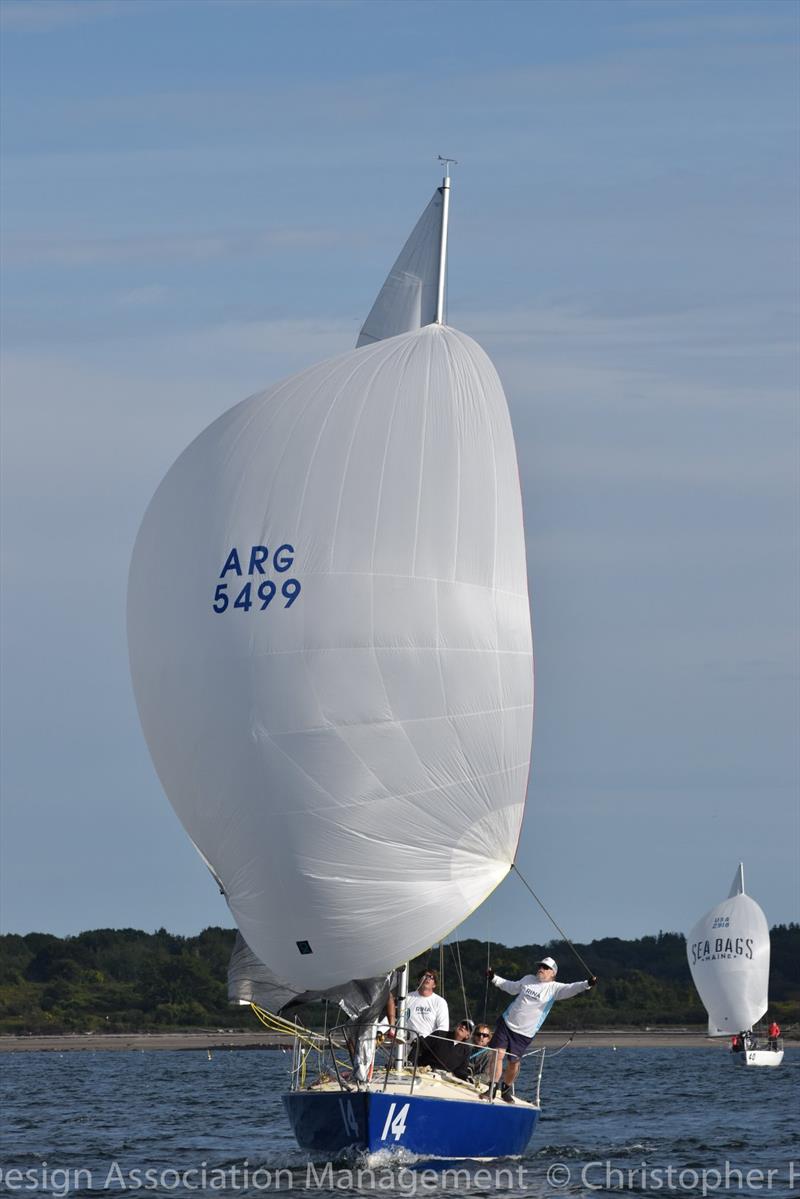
column 522, row 1019
column 425, row 1012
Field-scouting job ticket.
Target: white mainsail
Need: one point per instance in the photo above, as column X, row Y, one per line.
column 407, row 300
column 331, row 653
column 728, row 952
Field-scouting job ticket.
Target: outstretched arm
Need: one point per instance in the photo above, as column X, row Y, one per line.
column 506, row 984
column 567, row 990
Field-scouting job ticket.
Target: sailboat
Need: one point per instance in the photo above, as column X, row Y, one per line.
column 330, row 646
column 728, row 952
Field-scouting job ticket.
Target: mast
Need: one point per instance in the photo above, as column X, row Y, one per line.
column 443, row 245
column 737, row 886
column 401, row 1050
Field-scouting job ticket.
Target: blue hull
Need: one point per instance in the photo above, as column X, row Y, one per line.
column 333, row 1123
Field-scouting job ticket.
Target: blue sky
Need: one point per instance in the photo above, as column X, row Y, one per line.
column 199, row 198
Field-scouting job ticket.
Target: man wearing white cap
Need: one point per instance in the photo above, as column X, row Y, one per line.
column 522, row 1019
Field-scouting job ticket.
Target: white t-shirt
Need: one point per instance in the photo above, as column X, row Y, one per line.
column 426, row 1013
column 530, row 1009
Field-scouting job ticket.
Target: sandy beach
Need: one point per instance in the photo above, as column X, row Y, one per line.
column 221, row 1040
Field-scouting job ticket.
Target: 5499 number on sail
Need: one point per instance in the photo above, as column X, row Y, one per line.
column 258, row 592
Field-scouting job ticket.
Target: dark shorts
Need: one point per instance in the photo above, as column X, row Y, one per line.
column 513, row 1042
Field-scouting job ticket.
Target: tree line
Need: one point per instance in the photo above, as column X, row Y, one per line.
column 126, row 980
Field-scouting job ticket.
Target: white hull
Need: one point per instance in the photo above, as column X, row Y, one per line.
column 759, row 1057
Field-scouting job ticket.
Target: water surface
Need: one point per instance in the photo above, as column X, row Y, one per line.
column 631, row 1122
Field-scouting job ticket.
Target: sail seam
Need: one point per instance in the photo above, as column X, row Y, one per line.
column 406, row 348
column 284, row 392
column 457, row 531
column 425, row 649
column 315, row 782
column 323, row 426
column 454, row 370
column 395, row 796
column 422, row 459
column 316, row 391
column 324, row 370
column 467, row 346
column 397, row 721
column 367, row 395
column 314, row 397
column 385, row 574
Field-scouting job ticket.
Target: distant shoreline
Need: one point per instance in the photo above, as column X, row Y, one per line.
column 205, row 1040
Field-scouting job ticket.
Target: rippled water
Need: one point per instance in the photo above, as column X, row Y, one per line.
column 82, row 1124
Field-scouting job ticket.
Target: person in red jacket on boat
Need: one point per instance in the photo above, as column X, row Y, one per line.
column 774, row 1033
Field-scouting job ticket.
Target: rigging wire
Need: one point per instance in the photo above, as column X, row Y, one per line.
column 461, row 980
column 552, row 919
column 551, row 1052
column 486, row 984
column 460, row 973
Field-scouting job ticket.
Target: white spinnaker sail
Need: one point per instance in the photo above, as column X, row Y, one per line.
column 728, row 952
column 407, row 300
column 351, row 758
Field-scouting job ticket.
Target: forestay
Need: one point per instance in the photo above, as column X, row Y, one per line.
column 407, row 299
column 331, row 653
column 728, row 953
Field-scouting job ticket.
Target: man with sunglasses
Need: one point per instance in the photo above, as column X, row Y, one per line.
column 522, row 1019
column 450, row 1050
column 425, row 1012
column 480, row 1059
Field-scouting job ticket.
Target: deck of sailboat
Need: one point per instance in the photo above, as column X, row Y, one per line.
column 428, row 1114
column 427, row 1084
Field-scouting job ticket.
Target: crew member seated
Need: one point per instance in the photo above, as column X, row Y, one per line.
column 449, row 1050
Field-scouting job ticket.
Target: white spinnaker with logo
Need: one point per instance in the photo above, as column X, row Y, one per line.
column 351, row 759
column 407, row 299
column 728, row 952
